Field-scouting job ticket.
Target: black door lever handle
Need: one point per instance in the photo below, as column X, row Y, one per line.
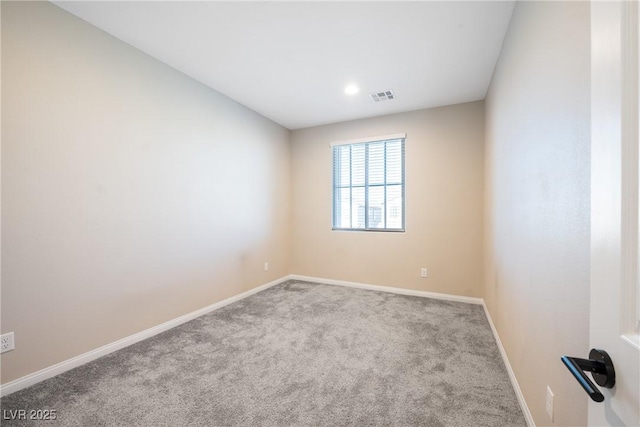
column 601, row 368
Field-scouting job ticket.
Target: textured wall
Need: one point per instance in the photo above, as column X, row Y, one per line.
column 538, row 201
column 444, row 192
column 131, row 194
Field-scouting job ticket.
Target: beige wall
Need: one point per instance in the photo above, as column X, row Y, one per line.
column 538, row 201
column 444, row 191
column 131, row 194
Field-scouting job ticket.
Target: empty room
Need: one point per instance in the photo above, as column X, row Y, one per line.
column 317, row 213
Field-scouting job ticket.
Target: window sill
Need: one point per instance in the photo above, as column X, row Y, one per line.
column 378, row 230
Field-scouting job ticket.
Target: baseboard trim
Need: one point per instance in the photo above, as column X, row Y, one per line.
column 448, row 297
column 59, row 368
column 401, row 291
column 512, row 376
column 82, row 359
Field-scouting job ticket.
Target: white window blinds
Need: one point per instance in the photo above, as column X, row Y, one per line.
column 368, row 184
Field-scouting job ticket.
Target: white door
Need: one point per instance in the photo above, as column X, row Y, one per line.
column 615, row 295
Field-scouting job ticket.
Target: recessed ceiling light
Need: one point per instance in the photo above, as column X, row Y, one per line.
column 351, row 89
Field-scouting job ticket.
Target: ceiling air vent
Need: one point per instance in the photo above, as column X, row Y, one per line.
column 382, row 96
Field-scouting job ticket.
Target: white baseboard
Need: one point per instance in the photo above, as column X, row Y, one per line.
column 401, row 291
column 448, row 297
column 74, row 362
column 512, row 376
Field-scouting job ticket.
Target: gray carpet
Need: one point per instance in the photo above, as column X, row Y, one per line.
column 297, row 354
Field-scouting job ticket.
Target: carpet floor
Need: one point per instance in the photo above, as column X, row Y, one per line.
column 297, row 354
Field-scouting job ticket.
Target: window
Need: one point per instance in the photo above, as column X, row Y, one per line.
column 368, row 184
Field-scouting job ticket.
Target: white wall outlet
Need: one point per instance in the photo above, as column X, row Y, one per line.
column 7, row 342
column 423, row 272
column 266, row 266
column 549, row 403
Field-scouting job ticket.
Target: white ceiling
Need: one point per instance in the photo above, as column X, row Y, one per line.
column 290, row 61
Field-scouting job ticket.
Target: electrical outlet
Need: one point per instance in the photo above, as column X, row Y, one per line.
column 266, row 266
column 549, row 403
column 7, row 342
column 423, row 273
